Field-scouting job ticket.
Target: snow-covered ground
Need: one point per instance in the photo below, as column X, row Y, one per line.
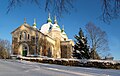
column 26, row 68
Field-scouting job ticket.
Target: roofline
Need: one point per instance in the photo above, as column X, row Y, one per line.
column 18, row 27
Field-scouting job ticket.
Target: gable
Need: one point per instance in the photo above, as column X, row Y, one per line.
column 20, row 27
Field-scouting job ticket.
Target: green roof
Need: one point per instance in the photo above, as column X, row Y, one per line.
column 58, row 26
column 34, row 24
column 49, row 20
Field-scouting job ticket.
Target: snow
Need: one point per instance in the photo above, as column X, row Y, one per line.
column 27, row 67
column 71, row 59
column 105, row 61
column 74, row 71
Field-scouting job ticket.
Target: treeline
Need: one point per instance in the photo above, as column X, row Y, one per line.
column 5, row 49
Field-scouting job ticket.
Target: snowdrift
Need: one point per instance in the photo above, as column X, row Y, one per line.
column 105, row 64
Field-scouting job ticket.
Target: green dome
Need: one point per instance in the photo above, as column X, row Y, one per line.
column 49, row 20
column 34, row 24
column 58, row 26
column 63, row 32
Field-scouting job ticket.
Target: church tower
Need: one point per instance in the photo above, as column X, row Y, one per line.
column 63, row 35
column 55, row 33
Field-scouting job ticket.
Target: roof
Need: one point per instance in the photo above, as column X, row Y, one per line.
column 21, row 26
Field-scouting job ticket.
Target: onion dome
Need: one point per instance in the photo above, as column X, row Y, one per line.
column 55, row 25
column 34, row 25
column 49, row 19
column 62, row 31
column 48, row 26
column 64, row 35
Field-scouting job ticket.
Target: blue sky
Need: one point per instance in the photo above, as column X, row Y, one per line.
column 84, row 11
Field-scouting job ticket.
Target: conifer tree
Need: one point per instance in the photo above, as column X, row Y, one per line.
column 81, row 49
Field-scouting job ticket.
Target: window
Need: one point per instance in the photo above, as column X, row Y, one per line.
column 64, row 39
column 24, row 34
column 36, row 39
column 20, row 37
column 28, row 36
column 15, row 39
column 25, row 48
column 33, row 40
column 49, row 52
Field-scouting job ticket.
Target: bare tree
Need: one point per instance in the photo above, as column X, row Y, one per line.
column 57, row 7
column 97, row 38
column 4, row 49
column 111, row 10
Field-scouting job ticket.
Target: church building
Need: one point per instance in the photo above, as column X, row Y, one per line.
column 50, row 40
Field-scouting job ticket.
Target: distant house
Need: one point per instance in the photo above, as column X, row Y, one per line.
column 49, row 41
column 109, row 58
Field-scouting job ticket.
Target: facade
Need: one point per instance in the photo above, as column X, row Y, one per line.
column 49, row 40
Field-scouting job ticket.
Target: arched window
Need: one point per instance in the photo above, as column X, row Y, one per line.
column 64, row 39
column 28, row 36
column 24, row 35
column 20, row 37
column 49, row 52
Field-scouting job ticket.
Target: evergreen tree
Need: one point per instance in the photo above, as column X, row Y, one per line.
column 81, row 49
